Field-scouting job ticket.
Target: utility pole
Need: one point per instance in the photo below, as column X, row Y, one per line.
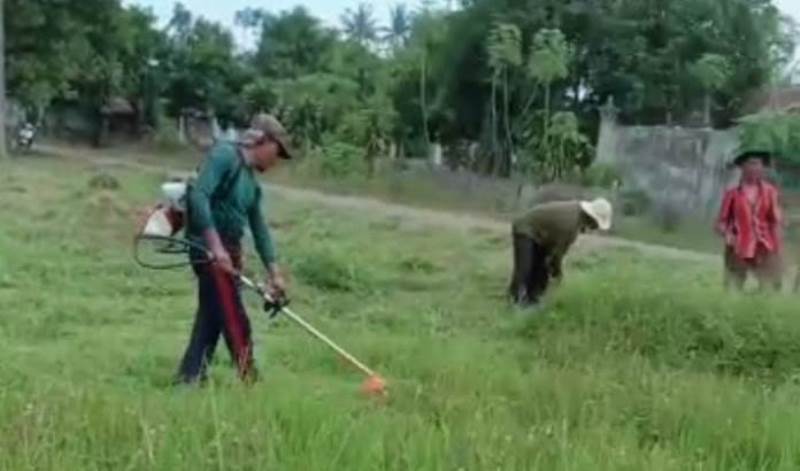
column 3, row 148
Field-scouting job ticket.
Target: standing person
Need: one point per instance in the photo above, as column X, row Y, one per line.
column 224, row 199
column 750, row 221
column 542, row 238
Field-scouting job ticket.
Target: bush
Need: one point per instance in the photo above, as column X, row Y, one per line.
column 634, row 202
column 340, row 159
column 600, row 176
column 165, row 137
column 668, row 216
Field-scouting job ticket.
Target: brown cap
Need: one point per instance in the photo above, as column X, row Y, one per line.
column 270, row 127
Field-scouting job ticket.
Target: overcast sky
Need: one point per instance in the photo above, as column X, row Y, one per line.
column 791, row 7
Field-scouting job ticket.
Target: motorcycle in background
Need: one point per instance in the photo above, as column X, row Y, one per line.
column 25, row 137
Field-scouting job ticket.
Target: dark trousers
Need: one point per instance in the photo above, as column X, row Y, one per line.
column 531, row 274
column 766, row 266
column 220, row 311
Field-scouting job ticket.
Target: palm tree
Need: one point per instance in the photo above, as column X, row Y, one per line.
column 399, row 29
column 360, row 25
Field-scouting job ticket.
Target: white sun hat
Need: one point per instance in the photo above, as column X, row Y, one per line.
column 600, row 210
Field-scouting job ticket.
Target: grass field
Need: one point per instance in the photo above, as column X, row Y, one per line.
column 434, row 190
column 498, row 200
column 634, row 363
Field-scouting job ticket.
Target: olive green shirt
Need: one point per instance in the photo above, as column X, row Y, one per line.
column 554, row 226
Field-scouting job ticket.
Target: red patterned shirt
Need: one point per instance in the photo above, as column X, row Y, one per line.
column 750, row 222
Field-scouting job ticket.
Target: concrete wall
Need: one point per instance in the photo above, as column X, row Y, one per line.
column 14, row 114
column 685, row 168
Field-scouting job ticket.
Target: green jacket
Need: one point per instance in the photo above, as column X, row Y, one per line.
column 231, row 212
column 554, row 226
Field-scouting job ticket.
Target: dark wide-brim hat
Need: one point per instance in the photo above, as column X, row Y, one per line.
column 763, row 155
column 266, row 125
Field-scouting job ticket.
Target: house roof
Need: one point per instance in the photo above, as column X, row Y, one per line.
column 118, row 105
column 785, row 99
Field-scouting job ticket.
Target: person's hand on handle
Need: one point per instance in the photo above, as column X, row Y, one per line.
column 276, row 284
column 223, row 261
column 221, row 257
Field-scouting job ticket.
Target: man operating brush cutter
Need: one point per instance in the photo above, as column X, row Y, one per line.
column 226, row 197
column 214, row 210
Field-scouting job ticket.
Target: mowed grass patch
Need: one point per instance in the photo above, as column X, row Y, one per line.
column 633, row 363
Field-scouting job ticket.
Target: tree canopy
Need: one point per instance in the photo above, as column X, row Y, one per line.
column 522, row 79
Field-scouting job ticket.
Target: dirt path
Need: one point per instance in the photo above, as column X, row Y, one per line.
column 424, row 217
column 429, row 217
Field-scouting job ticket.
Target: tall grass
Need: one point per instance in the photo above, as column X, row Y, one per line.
column 632, row 363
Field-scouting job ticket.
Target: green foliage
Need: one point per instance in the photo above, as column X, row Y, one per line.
column 360, row 25
column 550, row 57
column 375, row 120
column 560, row 152
column 338, row 159
column 600, row 176
column 165, row 137
column 504, row 46
column 775, row 132
column 260, row 95
column 712, row 71
column 634, row 202
column 315, row 104
column 570, row 148
column 39, row 71
column 399, row 29
column 203, row 71
column 668, row 216
column 291, row 44
column 93, row 51
column 492, row 71
column 559, row 147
